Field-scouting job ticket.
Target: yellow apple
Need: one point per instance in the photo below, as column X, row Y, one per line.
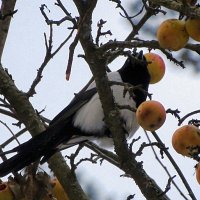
column 57, row 191
column 151, row 115
column 197, row 169
column 185, row 139
column 193, row 28
column 5, row 192
column 156, row 67
column 172, row 34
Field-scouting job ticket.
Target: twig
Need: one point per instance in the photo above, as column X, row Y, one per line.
column 63, row 43
column 49, row 55
column 119, row 5
column 164, row 167
column 175, row 113
column 133, row 142
column 75, row 42
column 7, row 8
column 193, row 47
column 92, row 159
column 99, row 32
column 107, row 155
column 187, row 186
column 191, row 11
column 150, row 11
column 171, row 58
column 127, row 107
column 71, row 55
column 73, row 156
column 7, row 105
column 10, row 14
column 137, row 43
column 144, row 145
column 8, row 113
column 130, row 88
column 3, row 157
column 10, row 131
column 195, row 122
column 188, row 115
column 49, row 45
column 3, row 145
column 168, row 186
column 68, row 15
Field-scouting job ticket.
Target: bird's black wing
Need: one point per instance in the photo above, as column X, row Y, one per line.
column 45, row 144
column 77, row 102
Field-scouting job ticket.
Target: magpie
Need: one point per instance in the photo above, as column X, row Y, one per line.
column 83, row 118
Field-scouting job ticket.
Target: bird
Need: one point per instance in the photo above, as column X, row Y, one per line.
column 83, row 118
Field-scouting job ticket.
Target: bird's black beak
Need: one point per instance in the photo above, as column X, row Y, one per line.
column 140, row 55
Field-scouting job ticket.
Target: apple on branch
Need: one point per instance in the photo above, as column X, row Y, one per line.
column 156, row 67
column 172, row 34
column 151, row 115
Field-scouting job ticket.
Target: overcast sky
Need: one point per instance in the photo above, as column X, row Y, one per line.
column 24, row 52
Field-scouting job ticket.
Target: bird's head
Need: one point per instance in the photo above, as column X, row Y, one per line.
column 134, row 70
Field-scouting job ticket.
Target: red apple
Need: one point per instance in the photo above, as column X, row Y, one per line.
column 156, row 67
column 151, row 115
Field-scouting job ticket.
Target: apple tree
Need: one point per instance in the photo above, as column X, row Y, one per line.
column 76, row 34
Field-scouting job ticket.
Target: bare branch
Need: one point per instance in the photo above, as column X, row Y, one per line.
column 68, row 16
column 100, row 33
column 175, row 113
column 10, row 131
column 168, row 186
column 187, row 186
column 165, row 168
column 3, row 145
column 119, row 5
column 8, row 113
column 190, row 11
column 71, row 55
column 49, row 55
column 107, row 155
column 7, row 7
column 27, row 115
column 10, row 14
column 188, row 115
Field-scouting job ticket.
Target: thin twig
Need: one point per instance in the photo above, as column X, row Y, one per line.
column 68, row 15
column 187, row 186
column 3, row 145
column 181, row 120
column 8, row 113
column 107, row 155
column 49, row 55
column 168, row 186
column 71, row 55
column 119, row 5
column 10, row 131
column 164, row 167
column 99, row 32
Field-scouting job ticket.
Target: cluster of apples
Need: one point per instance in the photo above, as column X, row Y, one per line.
column 151, row 114
column 7, row 191
column 173, row 34
column 186, row 141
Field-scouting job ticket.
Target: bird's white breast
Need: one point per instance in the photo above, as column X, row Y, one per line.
column 90, row 117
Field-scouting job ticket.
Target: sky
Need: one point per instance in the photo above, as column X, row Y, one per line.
column 24, row 53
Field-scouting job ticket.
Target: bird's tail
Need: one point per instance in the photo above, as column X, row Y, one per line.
column 45, row 144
